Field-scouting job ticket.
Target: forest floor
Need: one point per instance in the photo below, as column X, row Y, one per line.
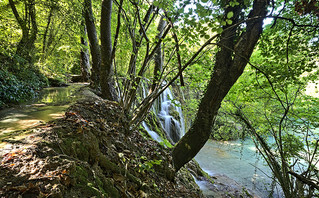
column 91, row 152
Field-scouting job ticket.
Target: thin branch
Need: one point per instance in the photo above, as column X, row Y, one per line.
column 117, row 30
column 177, row 50
column 275, row 22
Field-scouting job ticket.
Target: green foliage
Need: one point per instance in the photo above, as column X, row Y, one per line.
column 147, row 165
column 76, row 69
column 196, row 78
column 228, row 128
column 285, row 62
column 57, row 47
column 20, row 87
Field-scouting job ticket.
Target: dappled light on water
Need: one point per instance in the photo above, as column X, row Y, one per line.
column 38, row 105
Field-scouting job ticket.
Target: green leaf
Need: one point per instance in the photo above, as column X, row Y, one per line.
column 230, row 15
column 156, row 3
column 219, row 30
column 182, row 46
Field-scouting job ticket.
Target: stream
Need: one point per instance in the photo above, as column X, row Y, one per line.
column 240, row 161
column 50, row 104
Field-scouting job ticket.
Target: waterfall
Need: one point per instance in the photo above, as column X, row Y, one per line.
column 170, row 115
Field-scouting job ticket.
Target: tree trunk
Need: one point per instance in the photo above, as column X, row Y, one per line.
column 29, row 34
column 228, row 68
column 106, row 77
column 44, row 45
column 94, row 44
column 137, row 38
column 136, row 41
column 85, row 58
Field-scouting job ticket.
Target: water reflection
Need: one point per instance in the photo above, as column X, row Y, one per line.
column 51, row 104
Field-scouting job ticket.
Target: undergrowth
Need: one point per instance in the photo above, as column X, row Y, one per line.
column 20, row 85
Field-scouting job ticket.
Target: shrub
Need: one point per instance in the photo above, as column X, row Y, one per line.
column 19, row 87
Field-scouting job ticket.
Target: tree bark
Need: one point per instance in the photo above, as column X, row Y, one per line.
column 94, row 44
column 106, row 77
column 85, row 58
column 47, row 29
column 136, row 41
column 228, row 68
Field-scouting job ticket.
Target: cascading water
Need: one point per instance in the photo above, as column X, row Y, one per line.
column 170, row 116
column 153, row 134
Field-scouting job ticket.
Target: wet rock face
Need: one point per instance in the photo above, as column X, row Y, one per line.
column 175, row 132
column 171, row 127
column 174, row 113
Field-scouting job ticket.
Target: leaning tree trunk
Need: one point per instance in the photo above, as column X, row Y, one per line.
column 229, row 65
column 106, row 71
column 94, row 44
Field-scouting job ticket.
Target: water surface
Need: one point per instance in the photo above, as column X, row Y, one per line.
column 49, row 105
column 239, row 161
